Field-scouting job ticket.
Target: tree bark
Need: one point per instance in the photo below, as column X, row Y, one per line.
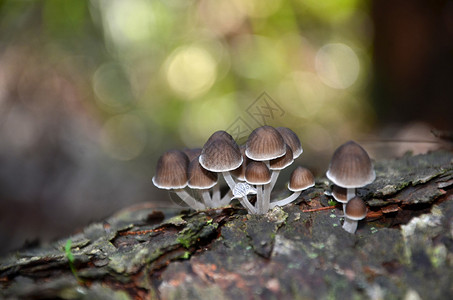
column 403, row 248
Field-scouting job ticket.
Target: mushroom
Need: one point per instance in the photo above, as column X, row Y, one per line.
column 339, row 193
column 264, row 144
column 202, row 179
column 350, row 168
column 301, row 179
column 171, row 174
column 354, row 212
column 258, row 174
column 221, row 154
column 278, row 164
column 291, row 139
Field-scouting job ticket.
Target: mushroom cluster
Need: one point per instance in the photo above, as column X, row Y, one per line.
column 350, row 168
column 250, row 169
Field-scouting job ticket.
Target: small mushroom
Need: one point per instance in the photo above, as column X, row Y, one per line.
column 258, row 174
column 264, row 144
column 354, row 212
column 203, row 180
column 300, row 180
column 221, row 154
column 292, row 140
column 339, row 193
column 171, row 174
column 350, row 168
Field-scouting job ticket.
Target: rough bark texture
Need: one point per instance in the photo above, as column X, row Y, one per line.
column 403, row 248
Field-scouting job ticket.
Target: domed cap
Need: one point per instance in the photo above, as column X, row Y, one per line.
column 171, row 170
column 292, row 140
column 192, row 152
column 282, row 161
column 355, row 209
column 339, row 193
column 199, row 177
column 222, row 135
column 301, row 179
column 257, row 172
column 220, row 156
column 265, row 143
column 351, row 166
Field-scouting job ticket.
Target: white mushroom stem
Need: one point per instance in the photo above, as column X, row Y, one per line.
column 274, row 177
column 350, row 225
column 189, row 200
column 246, row 203
column 226, row 199
column 229, row 180
column 216, row 195
column 285, row 201
column 259, row 199
column 206, row 198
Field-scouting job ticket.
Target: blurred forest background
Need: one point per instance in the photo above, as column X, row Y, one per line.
column 92, row 92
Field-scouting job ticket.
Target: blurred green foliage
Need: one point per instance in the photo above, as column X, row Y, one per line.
column 162, row 73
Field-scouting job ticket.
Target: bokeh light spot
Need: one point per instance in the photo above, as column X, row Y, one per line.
column 191, row 71
column 123, row 137
column 112, row 87
column 337, row 65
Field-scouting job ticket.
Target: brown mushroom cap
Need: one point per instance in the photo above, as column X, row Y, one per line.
column 192, row 152
column 282, row 161
column 301, row 179
column 171, row 170
column 355, row 209
column 350, row 166
column 292, row 140
column 257, row 172
column 220, row 155
column 265, row 143
column 199, row 177
column 339, row 193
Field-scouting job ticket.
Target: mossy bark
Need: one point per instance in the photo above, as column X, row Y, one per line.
column 403, row 248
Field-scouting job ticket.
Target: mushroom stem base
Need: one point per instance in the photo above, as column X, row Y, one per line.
column 189, row 200
column 350, row 225
column 285, row 201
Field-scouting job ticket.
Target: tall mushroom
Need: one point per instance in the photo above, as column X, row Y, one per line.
column 354, row 212
column 203, row 180
column 350, row 168
column 300, row 180
column 263, row 144
column 171, row 174
column 258, row 174
column 221, row 154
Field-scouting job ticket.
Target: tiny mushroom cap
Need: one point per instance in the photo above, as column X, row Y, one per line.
column 350, row 166
column 171, row 170
column 265, row 143
column 222, row 135
column 258, row 173
column 220, row 155
column 355, row 209
column 291, row 138
column 199, row 177
column 301, row 179
column 192, row 152
column 339, row 193
column 282, row 161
